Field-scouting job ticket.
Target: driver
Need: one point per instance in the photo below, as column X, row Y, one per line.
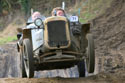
column 58, row 11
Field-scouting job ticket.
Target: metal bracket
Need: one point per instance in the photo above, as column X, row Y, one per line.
column 58, row 53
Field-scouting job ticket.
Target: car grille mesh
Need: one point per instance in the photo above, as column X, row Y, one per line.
column 57, row 34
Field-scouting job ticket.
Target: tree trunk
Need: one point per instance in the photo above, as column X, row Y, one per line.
column 0, row 7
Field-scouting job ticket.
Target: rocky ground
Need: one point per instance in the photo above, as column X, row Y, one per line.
column 109, row 35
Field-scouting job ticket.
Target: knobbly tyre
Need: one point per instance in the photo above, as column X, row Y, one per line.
column 56, row 43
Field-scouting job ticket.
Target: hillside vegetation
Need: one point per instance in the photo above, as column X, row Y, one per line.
column 18, row 10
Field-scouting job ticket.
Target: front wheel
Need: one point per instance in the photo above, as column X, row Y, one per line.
column 22, row 68
column 28, row 58
column 90, row 61
column 81, row 68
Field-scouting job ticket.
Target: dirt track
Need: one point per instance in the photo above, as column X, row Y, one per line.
column 9, row 67
column 109, row 34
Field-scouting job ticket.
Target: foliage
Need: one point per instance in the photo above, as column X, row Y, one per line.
column 10, row 5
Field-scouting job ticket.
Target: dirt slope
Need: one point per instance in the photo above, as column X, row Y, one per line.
column 109, row 34
column 11, row 28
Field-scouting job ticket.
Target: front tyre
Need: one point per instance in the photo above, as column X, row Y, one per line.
column 22, row 68
column 90, row 61
column 81, row 68
column 28, row 58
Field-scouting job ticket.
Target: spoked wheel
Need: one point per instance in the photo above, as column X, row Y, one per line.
column 81, row 68
column 90, row 61
column 28, row 58
column 22, row 68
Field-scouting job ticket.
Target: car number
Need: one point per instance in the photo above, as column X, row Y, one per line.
column 74, row 19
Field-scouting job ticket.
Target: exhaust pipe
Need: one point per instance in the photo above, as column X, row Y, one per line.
column 63, row 5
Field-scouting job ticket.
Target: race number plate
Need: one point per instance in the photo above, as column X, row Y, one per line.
column 74, row 19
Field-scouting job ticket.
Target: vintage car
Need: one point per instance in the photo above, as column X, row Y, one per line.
column 56, row 42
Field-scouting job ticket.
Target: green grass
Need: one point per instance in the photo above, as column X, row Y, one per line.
column 7, row 39
column 86, row 17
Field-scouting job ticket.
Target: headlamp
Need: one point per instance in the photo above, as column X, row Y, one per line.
column 38, row 22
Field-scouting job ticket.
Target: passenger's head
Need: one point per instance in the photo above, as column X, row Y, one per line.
column 36, row 15
column 58, row 11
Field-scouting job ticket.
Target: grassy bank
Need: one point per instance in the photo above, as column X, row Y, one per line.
column 7, row 39
column 89, row 9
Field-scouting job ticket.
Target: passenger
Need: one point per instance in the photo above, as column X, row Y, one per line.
column 31, row 24
column 58, row 11
column 34, row 16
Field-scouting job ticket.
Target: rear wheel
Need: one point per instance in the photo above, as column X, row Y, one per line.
column 28, row 58
column 81, row 68
column 90, row 61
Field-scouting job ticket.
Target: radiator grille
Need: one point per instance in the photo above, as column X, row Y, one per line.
column 57, row 34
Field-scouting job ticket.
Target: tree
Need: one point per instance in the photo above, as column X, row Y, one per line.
column 25, row 5
column 89, row 5
column 0, row 7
